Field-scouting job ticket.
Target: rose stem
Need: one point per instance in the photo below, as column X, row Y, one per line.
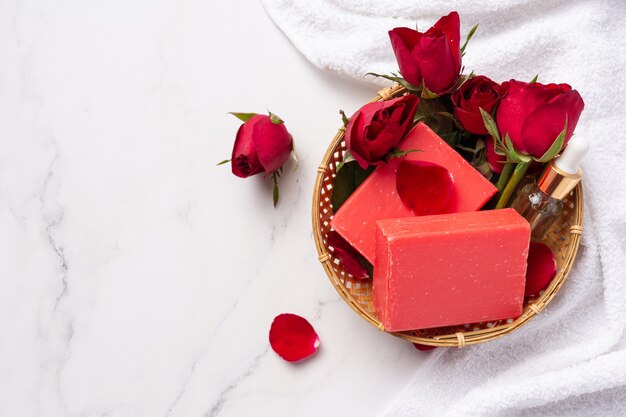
column 505, row 175
column 518, row 174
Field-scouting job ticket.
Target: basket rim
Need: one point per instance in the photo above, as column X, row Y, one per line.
column 458, row 339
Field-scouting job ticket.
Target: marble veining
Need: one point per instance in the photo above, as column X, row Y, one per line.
column 137, row 278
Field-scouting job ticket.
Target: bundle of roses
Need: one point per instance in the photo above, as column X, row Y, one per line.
column 500, row 128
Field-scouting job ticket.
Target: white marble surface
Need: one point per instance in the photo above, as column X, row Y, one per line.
column 136, row 277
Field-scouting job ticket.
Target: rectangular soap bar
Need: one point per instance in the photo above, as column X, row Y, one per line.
column 450, row 269
column 377, row 198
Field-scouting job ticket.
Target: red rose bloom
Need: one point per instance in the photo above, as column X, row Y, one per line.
column 378, row 127
column 476, row 93
column 261, row 146
column 433, row 57
column 534, row 114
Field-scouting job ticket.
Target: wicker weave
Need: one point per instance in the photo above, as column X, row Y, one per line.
column 563, row 238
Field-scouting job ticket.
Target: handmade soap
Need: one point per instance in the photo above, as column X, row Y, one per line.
column 450, row 269
column 377, row 198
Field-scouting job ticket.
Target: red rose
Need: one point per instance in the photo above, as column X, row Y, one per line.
column 534, row 114
column 496, row 162
column 263, row 144
column 433, row 57
column 378, row 127
column 476, row 93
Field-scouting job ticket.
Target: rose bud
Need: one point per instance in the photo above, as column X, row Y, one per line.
column 496, row 162
column 263, row 144
column 476, row 93
column 377, row 128
column 534, row 114
column 433, row 57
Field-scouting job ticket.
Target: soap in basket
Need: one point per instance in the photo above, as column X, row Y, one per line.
column 450, row 269
column 376, row 198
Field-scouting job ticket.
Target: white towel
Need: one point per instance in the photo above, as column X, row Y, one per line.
column 571, row 359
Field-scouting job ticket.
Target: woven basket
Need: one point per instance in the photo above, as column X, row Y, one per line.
column 563, row 238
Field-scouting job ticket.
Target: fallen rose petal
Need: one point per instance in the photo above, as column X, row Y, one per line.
column 293, row 337
column 349, row 257
column 423, row 348
column 424, row 187
column 541, row 268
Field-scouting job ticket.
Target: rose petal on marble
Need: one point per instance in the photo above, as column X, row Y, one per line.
column 541, row 268
column 424, row 187
column 293, row 337
column 423, row 348
column 349, row 257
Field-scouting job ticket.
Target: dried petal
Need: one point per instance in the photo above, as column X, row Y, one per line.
column 423, row 348
column 423, row 186
column 293, row 337
column 350, row 258
column 541, row 268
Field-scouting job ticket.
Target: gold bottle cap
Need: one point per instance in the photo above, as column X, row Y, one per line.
column 558, row 183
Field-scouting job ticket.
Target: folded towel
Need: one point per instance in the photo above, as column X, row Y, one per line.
column 571, row 359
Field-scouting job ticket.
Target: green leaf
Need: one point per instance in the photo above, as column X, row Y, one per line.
column 451, row 138
column 294, row 156
column 556, row 146
column 344, row 118
column 399, row 153
column 451, row 117
column 462, row 80
column 347, row 180
column 225, row 161
column 534, row 80
column 275, row 119
column 427, row 94
column 490, row 125
column 395, row 78
column 244, row 117
column 276, row 193
column 469, row 36
column 513, row 155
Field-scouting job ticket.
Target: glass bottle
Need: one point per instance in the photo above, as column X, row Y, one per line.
column 540, row 201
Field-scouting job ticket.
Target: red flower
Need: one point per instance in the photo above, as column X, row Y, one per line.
column 534, row 114
column 424, row 187
column 476, row 93
column 433, row 57
column 424, row 348
column 350, row 258
column 263, row 144
column 378, row 127
column 541, row 268
column 495, row 161
column 293, row 337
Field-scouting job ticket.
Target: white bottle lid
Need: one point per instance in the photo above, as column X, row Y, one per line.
column 569, row 161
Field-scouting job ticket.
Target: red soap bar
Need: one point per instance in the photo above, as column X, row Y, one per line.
column 450, row 269
column 378, row 199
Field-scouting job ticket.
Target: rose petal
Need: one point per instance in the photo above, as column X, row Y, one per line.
column 349, row 257
column 423, row 186
column 543, row 125
column 451, row 26
column 541, row 268
column 496, row 162
column 403, row 40
column 423, row 348
column 272, row 142
column 520, row 101
column 244, row 160
column 437, row 63
column 293, row 337
column 377, row 127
